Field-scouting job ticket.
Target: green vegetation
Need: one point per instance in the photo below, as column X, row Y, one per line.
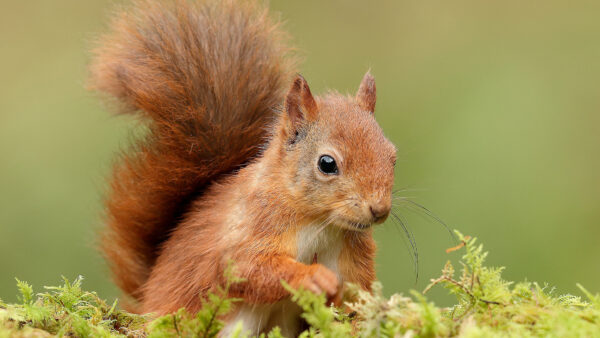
column 486, row 305
column 66, row 310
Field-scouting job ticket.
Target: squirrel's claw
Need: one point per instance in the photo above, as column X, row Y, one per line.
column 322, row 280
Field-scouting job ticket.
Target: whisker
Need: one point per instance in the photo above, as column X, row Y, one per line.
column 412, row 242
column 401, row 198
column 321, row 226
column 430, row 214
column 394, row 192
column 404, row 239
column 325, row 224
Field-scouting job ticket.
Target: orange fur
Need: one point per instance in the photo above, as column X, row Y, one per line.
column 205, row 90
column 197, row 192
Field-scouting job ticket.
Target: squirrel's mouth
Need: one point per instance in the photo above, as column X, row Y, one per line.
column 361, row 226
column 355, row 226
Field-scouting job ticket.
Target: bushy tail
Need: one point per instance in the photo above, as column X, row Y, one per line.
column 205, row 77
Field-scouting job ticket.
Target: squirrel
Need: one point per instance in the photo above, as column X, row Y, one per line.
column 239, row 163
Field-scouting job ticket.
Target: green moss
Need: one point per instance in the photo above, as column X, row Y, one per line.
column 66, row 310
column 486, row 305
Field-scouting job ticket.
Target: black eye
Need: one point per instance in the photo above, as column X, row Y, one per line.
column 327, row 165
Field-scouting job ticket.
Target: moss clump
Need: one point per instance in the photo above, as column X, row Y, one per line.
column 486, row 306
column 66, row 311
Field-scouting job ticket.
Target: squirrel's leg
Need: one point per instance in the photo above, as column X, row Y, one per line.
column 263, row 275
column 265, row 304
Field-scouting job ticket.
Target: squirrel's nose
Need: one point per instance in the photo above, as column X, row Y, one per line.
column 380, row 212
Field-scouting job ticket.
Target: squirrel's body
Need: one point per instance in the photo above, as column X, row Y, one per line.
column 199, row 192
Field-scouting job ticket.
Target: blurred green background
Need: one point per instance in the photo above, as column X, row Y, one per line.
column 494, row 107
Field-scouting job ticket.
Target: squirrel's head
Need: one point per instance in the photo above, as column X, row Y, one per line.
column 339, row 165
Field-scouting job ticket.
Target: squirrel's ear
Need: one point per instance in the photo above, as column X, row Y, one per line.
column 299, row 103
column 366, row 95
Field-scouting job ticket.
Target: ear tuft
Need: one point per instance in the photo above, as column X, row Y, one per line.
column 299, row 103
column 366, row 95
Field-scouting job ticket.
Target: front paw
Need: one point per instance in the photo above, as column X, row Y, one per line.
column 320, row 280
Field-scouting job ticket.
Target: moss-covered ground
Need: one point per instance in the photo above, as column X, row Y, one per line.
column 486, row 306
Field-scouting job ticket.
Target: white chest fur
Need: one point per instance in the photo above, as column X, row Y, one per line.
column 323, row 241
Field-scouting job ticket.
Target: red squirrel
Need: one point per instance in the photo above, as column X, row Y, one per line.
column 239, row 162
